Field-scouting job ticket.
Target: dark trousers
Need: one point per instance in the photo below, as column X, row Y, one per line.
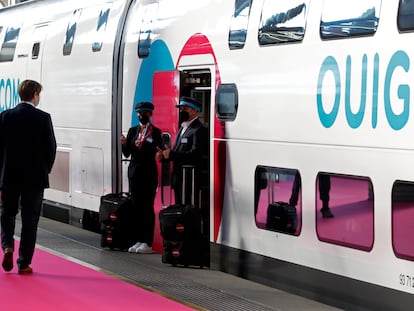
column 31, row 206
column 143, row 196
column 324, row 188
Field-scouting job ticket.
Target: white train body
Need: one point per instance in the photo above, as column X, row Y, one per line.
column 339, row 105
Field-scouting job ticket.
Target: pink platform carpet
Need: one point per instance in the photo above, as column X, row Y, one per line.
column 63, row 285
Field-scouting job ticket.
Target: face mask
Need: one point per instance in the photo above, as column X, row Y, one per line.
column 143, row 119
column 183, row 116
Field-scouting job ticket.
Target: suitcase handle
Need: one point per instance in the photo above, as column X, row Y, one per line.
column 188, row 181
column 273, row 178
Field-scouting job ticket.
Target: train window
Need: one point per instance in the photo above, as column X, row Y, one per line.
column 283, row 21
column 239, row 23
column 277, row 199
column 342, row 19
column 70, row 32
column 35, row 50
column 1, row 30
column 227, row 102
column 403, row 219
column 405, row 19
column 9, row 44
column 345, row 210
column 100, row 29
column 145, row 34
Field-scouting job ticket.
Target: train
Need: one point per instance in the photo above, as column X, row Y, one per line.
column 292, row 92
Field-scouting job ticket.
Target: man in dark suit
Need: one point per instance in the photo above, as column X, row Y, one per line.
column 189, row 148
column 27, row 154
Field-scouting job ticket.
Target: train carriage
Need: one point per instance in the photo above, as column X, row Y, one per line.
column 307, row 102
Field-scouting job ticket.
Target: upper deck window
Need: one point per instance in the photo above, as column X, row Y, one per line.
column 145, row 34
column 9, row 44
column 70, row 32
column 349, row 18
column 405, row 19
column 239, row 23
column 283, row 21
column 100, row 29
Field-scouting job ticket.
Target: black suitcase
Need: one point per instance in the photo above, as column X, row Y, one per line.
column 115, row 216
column 181, row 227
column 180, row 222
column 281, row 216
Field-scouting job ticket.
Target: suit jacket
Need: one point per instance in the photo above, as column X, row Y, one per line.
column 189, row 149
column 27, row 148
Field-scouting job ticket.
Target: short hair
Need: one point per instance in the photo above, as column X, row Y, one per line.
column 28, row 89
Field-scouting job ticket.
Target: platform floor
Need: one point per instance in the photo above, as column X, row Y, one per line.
column 201, row 289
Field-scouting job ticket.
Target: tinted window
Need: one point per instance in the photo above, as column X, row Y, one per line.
column 70, row 32
column 100, row 29
column 403, row 219
column 277, row 199
column 347, row 18
column 406, row 15
column 239, row 23
column 9, row 44
column 35, row 50
column 345, row 210
column 227, row 102
column 283, row 21
column 145, row 34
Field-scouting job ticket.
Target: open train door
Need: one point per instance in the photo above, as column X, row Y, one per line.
column 168, row 87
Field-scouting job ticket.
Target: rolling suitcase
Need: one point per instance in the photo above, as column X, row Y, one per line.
column 181, row 227
column 115, row 216
column 281, row 216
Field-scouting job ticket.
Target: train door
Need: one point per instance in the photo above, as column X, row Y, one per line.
column 168, row 87
column 34, row 65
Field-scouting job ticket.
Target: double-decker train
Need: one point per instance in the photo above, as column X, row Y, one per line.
column 307, row 102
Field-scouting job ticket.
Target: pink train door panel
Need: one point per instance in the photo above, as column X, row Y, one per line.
column 165, row 96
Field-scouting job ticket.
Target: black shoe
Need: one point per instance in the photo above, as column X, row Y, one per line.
column 326, row 213
column 8, row 260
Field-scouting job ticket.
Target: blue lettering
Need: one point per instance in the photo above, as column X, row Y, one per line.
column 328, row 119
column 9, row 95
column 397, row 121
column 1, row 97
column 355, row 119
column 374, row 119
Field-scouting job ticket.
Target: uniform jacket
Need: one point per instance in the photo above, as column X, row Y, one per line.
column 189, row 149
column 27, row 148
column 143, row 164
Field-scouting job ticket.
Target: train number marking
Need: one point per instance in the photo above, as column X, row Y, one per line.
column 406, row 280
